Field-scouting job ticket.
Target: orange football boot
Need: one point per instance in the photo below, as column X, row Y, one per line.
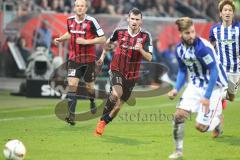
column 100, row 128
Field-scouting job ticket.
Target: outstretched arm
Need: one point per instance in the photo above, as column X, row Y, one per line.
column 97, row 40
column 109, row 45
column 181, row 78
column 62, row 38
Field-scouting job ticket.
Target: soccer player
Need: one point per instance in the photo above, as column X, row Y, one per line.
column 198, row 61
column 83, row 32
column 132, row 45
column 225, row 36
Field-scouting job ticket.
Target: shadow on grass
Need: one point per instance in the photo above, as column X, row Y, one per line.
column 226, row 158
column 77, row 128
column 122, row 140
column 229, row 139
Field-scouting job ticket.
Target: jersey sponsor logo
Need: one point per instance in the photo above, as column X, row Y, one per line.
column 139, row 40
column 79, row 32
column 189, row 61
column 127, row 47
column 226, row 41
column 207, row 59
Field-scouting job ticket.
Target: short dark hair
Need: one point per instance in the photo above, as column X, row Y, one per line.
column 135, row 11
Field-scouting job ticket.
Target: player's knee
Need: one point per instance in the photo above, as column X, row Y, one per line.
column 201, row 128
column 73, row 88
column 116, row 95
column 231, row 97
column 179, row 118
column 89, row 87
column 72, row 81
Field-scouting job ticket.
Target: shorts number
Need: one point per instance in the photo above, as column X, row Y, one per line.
column 71, row 72
column 119, row 80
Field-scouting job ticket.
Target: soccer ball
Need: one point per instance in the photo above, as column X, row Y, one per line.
column 14, row 150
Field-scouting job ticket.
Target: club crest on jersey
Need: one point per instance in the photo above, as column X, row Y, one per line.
column 84, row 25
column 139, row 40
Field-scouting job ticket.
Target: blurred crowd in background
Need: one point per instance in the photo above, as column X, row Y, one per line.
column 164, row 8
column 205, row 9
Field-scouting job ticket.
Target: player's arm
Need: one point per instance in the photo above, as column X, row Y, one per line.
column 104, row 53
column 181, row 79
column 109, row 45
column 146, row 55
column 147, row 49
column 62, row 38
column 207, row 60
column 212, row 38
column 97, row 40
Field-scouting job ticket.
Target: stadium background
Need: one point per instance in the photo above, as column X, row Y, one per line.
column 20, row 20
column 29, row 118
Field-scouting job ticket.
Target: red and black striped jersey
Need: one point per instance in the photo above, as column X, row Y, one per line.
column 87, row 29
column 126, row 59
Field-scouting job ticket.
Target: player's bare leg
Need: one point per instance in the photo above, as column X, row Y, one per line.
column 116, row 109
column 113, row 100
column 233, row 85
column 230, row 97
column 91, row 93
column 178, row 132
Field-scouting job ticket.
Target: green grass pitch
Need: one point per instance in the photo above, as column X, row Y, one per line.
column 140, row 132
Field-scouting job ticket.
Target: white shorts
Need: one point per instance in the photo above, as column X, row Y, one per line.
column 190, row 101
column 233, row 82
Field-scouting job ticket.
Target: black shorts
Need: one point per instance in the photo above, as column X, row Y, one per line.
column 117, row 78
column 82, row 71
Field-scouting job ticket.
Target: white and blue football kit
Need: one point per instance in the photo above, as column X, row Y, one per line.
column 227, row 46
column 207, row 78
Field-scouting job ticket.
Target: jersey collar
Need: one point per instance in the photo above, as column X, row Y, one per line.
column 134, row 34
column 81, row 20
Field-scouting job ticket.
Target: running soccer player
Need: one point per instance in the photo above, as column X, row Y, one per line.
column 198, row 61
column 133, row 44
column 225, row 36
column 83, row 32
